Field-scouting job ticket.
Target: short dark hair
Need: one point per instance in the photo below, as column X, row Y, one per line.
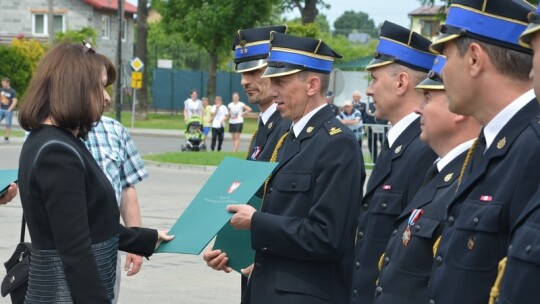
column 508, row 62
column 6, row 79
column 67, row 86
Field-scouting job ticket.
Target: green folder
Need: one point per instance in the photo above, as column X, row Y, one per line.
column 237, row 243
column 7, row 177
column 234, row 181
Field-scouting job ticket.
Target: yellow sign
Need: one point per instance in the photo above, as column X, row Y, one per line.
column 136, row 80
column 136, row 64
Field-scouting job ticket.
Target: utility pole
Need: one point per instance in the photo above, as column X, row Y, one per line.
column 118, row 95
column 50, row 23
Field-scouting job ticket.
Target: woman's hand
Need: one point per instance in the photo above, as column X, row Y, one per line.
column 163, row 236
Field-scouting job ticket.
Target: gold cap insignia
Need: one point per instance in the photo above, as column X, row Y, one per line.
column 242, row 42
column 398, row 149
column 448, row 177
column 501, row 143
column 334, row 131
column 309, row 129
column 270, row 125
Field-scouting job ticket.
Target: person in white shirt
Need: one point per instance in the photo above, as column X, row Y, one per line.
column 192, row 106
column 237, row 110
column 219, row 115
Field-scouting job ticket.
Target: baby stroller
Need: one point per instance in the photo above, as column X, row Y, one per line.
column 194, row 135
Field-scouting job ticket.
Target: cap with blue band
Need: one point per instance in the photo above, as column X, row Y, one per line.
column 402, row 46
column 251, row 47
column 434, row 80
column 292, row 54
column 495, row 22
column 534, row 26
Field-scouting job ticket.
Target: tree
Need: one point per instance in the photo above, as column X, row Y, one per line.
column 354, row 21
column 210, row 24
column 141, row 51
column 16, row 65
column 308, row 8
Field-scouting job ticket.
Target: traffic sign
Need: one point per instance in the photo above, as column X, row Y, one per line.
column 136, row 64
column 136, row 80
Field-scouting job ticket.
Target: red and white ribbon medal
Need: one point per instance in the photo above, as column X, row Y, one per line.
column 415, row 215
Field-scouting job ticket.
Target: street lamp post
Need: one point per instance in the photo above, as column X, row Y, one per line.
column 118, row 95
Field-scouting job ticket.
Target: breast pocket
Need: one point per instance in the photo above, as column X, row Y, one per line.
column 294, row 182
column 476, row 238
column 526, row 244
column 385, row 207
column 417, row 257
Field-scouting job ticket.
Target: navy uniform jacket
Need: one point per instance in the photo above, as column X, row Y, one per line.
column 304, row 236
column 520, row 282
column 397, row 176
column 406, row 268
column 477, row 227
column 268, row 138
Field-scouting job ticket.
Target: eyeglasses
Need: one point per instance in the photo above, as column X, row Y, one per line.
column 88, row 47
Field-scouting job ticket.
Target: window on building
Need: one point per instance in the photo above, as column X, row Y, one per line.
column 40, row 25
column 430, row 28
column 105, row 27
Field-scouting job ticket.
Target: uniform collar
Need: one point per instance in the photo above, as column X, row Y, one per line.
column 449, row 157
column 265, row 116
column 299, row 126
column 500, row 120
column 396, row 130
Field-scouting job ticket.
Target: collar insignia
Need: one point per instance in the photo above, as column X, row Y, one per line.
column 270, row 125
column 398, row 149
column 448, row 177
column 309, row 129
column 501, row 143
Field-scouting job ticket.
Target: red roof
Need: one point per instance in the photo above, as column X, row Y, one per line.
column 112, row 5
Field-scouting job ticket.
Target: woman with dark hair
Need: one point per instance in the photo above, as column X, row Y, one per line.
column 69, row 205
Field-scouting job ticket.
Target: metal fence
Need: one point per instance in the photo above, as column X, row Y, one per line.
column 372, row 142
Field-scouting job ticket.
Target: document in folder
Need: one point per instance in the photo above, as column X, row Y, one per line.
column 237, row 243
column 234, row 181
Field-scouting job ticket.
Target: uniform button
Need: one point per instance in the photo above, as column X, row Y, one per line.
column 354, row 293
column 357, row 265
column 365, row 206
column 378, row 290
column 293, row 185
column 386, row 260
column 450, row 221
column 528, row 249
column 271, row 189
column 257, row 265
column 475, row 221
column 438, row 259
column 510, row 247
column 431, row 301
column 383, row 205
column 360, row 234
column 264, row 249
column 394, row 232
column 417, row 227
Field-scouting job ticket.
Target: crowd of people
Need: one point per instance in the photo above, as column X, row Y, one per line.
column 449, row 213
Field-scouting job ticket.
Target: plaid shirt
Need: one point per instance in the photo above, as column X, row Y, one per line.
column 116, row 154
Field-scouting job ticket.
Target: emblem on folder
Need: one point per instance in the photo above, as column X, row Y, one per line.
column 233, row 187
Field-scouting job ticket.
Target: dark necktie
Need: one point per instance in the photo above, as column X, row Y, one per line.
column 478, row 150
column 430, row 174
column 261, row 134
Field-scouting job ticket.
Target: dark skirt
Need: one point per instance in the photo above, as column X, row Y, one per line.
column 47, row 282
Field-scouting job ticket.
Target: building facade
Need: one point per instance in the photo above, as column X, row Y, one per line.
column 29, row 18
